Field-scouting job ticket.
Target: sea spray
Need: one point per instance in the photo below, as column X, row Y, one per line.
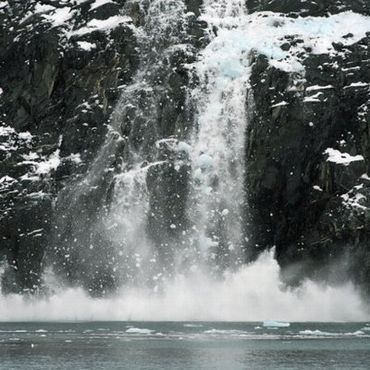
column 253, row 293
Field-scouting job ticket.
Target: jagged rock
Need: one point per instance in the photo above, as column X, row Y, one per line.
column 303, row 200
column 309, row 7
column 59, row 87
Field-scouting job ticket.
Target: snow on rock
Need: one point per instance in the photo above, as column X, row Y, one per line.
column 41, row 167
column 76, row 158
column 313, row 98
column 338, row 157
column 265, row 32
column 51, row 163
column 59, row 17
column 6, row 182
column 318, row 87
column 86, row 45
column 357, row 84
column 355, row 199
column 102, row 25
column 6, row 130
column 11, row 139
column 99, row 3
column 281, row 104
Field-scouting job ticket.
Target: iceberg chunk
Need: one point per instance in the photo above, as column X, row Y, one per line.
column 275, row 324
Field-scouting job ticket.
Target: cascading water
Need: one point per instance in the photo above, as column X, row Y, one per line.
column 175, row 201
column 111, row 243
column 158, row 219
column 194, row 218
column 219, row 136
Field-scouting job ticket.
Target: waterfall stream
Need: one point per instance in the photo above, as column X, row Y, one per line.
column 174, row 195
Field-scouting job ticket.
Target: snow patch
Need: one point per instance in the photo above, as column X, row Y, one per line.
column 99, row 3
column 102, row 25
column 52, row 163
column 76, row 158
column 318, row 87
column 338, row 157
column 86, row 45
column 313, row 98
column 281, row 104
column 59, row 16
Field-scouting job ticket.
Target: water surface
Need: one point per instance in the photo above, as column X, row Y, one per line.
column 192, row 345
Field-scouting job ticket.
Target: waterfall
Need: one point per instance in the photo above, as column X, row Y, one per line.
column 170, row 175
column 218, row 139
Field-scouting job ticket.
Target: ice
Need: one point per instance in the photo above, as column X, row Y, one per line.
column 198, row 326
column 205, row 162
column 139, row 331
column 184, row 147
column 265, row 32
column 224, row 332
column 319, row 333
column 276, row 324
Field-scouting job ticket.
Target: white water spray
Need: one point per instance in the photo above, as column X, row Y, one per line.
column 254, row 293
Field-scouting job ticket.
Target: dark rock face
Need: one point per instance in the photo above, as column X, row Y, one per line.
column 151, row 108
column 309, row 7
column 312, row 208
column 59, row 86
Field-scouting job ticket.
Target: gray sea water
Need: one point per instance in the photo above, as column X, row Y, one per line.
column 192, row 345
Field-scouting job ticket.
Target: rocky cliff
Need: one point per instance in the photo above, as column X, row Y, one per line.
column 63, row 65
column 308, row 154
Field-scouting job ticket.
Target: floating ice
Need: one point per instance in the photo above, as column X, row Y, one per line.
column 139, row 331
column 276, row 324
